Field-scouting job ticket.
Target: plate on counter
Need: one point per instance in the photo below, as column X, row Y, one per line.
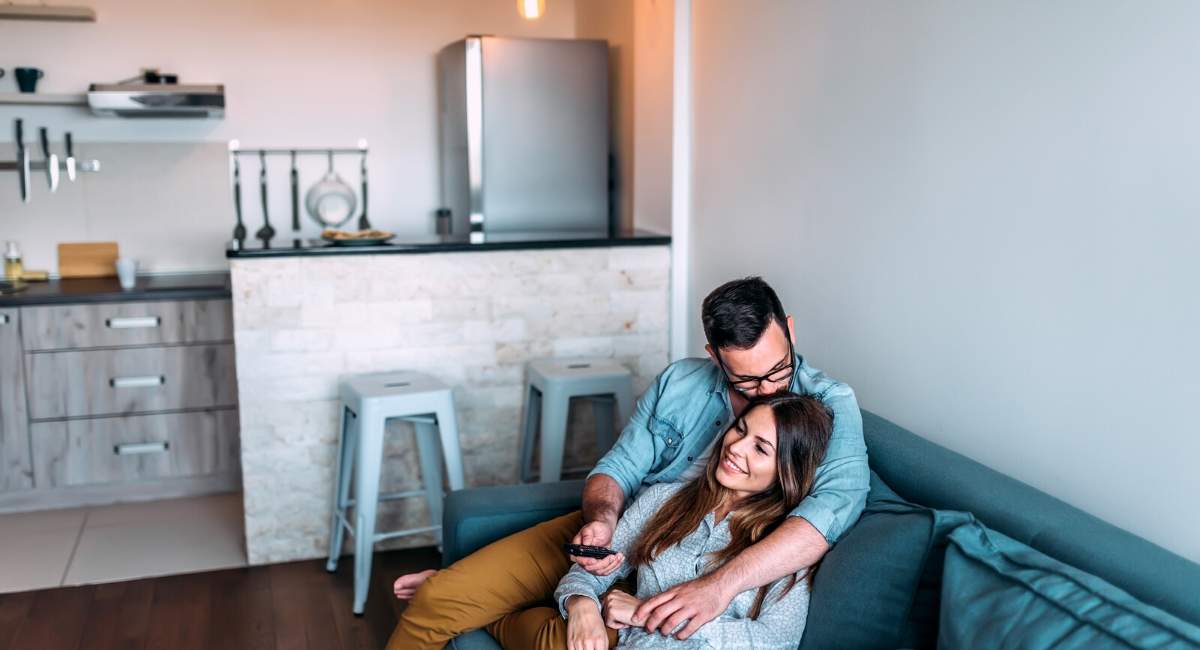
column 356, row 237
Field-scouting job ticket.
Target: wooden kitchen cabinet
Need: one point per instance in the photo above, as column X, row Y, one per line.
column 15, row 464
column 102, row 402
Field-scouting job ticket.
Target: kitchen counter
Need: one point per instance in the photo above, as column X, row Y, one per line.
column 448, row 244
column 182, row 286
column 472, row 315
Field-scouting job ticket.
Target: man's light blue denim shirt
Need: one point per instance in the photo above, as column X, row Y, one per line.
column 688, row 405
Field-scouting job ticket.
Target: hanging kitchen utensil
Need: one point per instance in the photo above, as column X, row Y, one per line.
column 266, row 233
column 295, row 195
column 331, row 201
column 22, row 161
column 51, row 160
column 363, row 222
column 239, row 231
column 70, row 156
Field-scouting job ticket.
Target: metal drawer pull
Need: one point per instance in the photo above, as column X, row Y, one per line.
column 148, row 381
column 132, row 448
column 133, row 322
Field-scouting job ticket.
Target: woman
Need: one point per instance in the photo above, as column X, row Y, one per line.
column 675, row 532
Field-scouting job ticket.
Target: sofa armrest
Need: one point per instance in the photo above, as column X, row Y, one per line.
column 476, row 517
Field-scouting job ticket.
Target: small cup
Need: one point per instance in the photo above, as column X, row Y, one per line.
column 27, row 78
column 127, row 272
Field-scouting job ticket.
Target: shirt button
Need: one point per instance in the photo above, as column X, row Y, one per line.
column 669, row 441
column 690, row 459
column 716, row 423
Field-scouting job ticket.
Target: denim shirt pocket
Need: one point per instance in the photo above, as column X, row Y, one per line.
column 667, row 442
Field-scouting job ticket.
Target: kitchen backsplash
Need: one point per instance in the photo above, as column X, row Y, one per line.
column 166, row 204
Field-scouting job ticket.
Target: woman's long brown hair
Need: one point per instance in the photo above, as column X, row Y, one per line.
column 802, row 429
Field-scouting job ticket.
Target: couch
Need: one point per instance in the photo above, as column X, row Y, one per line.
column 978, row 525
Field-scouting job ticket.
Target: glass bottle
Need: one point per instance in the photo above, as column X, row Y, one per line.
column 13, row 268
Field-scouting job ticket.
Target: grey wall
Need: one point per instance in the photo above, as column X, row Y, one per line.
column 985, row 216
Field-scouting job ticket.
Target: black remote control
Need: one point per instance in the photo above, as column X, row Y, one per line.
column 583, row 550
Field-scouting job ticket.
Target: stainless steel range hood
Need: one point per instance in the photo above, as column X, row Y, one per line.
column 157, row 100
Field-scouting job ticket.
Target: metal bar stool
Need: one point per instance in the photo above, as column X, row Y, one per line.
column 368, row 401
column 549, row 386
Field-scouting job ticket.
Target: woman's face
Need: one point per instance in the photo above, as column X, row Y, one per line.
column 747, row 463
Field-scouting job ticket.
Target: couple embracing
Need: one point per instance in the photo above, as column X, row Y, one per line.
column 739, row 471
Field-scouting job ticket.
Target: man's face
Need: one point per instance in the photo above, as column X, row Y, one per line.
column 770, row 356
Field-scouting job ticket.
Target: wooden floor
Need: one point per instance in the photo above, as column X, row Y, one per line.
column 293, row 606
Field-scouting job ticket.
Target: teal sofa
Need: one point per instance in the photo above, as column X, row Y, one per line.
column 985, row 550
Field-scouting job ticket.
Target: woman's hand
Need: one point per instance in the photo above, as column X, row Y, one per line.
column 619, row 608
column 585, row 628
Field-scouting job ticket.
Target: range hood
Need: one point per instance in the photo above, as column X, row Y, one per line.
column 157, row 100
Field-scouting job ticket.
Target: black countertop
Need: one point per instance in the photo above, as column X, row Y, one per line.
column 285, row 247
column 182, row 286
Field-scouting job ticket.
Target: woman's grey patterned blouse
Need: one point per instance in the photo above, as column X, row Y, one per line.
column 780, row 624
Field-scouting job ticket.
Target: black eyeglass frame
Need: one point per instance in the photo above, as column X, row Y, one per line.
column 758, row 381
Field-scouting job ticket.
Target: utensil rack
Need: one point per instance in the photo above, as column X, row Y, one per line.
column 24, row 164
column 267, row 232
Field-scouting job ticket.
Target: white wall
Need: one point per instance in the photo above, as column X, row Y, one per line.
column 297, row 73
column 984, row 217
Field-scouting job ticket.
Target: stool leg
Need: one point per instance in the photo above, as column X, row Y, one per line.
column 555, row 407
column 341, row 486
column 429, row 451
column 533, row 412
column 451, row 451
column 604, row 411
column 366, row 496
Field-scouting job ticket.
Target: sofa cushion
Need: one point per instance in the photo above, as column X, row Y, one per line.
column 879, row 586
column 998, row 592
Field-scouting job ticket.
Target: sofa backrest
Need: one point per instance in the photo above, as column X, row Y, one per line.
column 931, row 475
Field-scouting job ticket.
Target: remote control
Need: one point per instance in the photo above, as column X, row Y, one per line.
column 582, row 550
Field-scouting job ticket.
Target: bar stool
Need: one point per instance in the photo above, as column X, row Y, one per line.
column 368, row 401
column 549, row 386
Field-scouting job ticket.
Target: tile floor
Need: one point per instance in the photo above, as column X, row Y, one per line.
column 121, row 542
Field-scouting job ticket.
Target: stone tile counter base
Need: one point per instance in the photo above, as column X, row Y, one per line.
column 472, row 319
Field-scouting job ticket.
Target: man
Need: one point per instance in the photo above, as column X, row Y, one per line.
column 507, row 586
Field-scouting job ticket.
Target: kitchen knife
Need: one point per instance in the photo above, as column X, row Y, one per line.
column 51, row 160
column 70, row 156
column 22, row 161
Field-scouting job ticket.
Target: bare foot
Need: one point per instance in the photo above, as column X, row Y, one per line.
column 406, row 585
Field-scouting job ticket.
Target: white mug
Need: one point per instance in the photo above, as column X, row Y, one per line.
column 127, row 272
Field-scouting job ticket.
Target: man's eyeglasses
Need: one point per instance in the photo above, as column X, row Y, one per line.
column 782, row 371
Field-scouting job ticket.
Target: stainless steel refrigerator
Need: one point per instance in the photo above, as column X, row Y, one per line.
column 525, row 134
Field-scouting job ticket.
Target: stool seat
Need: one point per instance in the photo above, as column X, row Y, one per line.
column 550, row 386
column 577, row 369
column 367, row 402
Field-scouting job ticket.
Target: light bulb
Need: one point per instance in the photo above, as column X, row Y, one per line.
column 531, row 9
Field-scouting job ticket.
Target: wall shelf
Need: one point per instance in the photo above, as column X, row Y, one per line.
column 43, row 99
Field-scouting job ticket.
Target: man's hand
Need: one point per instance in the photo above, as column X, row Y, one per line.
column 697, row 602
column 597, row 533
column 618, row 609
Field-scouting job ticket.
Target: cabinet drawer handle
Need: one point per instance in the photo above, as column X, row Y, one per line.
column 133, row 322
column 132, row 448
column 3, row 319
column 148, row 381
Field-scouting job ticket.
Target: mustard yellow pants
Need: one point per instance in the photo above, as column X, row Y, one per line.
column 506, row 587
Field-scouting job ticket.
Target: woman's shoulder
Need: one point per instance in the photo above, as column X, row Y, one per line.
column 657, row 494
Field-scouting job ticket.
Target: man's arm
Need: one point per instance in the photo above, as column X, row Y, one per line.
column 795, row 545
column 602, row 503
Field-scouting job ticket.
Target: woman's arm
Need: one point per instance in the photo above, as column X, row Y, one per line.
column 578, row 582
column 780, row 624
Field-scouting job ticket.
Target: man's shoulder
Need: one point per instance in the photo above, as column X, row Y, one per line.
column 688, row 371
column 814, row 381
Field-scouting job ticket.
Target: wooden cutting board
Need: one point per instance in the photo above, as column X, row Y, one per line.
column 87, row 260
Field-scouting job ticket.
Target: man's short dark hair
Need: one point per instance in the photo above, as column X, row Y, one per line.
column 736, row 314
